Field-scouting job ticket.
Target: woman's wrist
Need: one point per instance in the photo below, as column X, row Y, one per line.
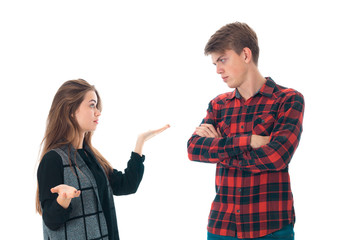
column 63, row 202
column 139, row 145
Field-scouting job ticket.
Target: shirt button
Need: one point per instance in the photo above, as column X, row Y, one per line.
column 238, row 211
column 242, row 126
column 239, row 189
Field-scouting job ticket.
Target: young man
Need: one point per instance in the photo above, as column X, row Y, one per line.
column 251, row 134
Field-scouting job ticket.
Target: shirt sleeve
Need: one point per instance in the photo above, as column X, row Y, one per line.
column 284, row 140
column 216, row 150
column 50, row 174
column 129, row 181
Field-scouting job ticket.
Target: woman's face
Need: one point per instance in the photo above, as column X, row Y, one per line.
column 87, row 115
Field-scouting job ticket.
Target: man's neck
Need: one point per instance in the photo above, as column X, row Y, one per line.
column 252, row 85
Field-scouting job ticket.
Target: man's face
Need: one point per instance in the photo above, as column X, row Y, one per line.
column 231, row 66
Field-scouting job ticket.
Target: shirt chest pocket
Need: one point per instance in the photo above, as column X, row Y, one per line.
column 263, row 125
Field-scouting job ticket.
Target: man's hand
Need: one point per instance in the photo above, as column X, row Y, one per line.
column 257, row 141
column 208, row 130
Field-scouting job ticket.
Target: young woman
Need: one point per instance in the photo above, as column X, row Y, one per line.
column 76, row 183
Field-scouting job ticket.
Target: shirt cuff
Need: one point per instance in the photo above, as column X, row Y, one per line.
column 235, row 146
column 137, row 157
column 58, row 209
column 243, row 142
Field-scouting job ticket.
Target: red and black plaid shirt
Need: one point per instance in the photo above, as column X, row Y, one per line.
column 253, row 194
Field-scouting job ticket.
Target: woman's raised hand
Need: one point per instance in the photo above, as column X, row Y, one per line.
column 143, row 137
column 65, row 194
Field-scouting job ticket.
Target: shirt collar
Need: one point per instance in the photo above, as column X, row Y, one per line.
column 266, row 90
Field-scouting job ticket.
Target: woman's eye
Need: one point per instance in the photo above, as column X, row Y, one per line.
column 92, row 105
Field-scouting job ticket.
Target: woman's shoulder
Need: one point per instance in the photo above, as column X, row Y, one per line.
column 55, row 154
column 51, row 158
column 51, row 154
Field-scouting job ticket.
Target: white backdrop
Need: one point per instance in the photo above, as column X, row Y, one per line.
column 146, row 59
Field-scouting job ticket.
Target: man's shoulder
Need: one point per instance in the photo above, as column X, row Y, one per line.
column 221, row 98
column 284, row 92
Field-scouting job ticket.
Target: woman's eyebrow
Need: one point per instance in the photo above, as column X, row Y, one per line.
column 93, row 100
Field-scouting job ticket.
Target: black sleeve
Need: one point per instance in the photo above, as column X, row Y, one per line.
column 128, row 182
column 50, row 174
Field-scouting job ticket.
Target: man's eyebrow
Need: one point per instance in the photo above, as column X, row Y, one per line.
column 218, row 59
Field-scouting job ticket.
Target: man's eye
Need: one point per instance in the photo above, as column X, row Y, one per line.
column 222, row 60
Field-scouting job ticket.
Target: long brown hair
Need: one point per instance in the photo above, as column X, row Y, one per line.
column 62, row 127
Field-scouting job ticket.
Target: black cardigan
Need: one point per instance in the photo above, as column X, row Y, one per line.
column 51, row 173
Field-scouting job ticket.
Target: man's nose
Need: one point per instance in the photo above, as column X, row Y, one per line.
column 219, row 70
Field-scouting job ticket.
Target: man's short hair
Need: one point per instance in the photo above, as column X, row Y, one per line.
column 234, row 36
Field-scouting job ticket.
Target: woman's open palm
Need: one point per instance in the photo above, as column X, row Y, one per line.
column 65, row 194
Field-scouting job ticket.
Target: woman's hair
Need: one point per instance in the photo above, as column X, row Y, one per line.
column 62, row 127
column 234, row 36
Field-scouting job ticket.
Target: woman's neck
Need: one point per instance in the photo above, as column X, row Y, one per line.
column 78, row 142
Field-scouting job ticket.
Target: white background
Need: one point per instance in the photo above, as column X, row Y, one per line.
column 146, row 59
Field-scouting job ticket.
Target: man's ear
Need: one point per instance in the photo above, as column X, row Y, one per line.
column 247, row 54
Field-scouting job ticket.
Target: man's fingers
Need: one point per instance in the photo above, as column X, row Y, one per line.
column 203, row 132
column 218, row 131
column 210, row 128
column 257, row 141
column 206, row 130
column 199, row 131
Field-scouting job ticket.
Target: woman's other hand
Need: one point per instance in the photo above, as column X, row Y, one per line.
column 65, row 194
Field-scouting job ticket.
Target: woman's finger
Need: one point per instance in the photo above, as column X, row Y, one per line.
column 55, row 189
column 160, row 130
column 65, row 191
column 152, row 133
column 74, row 194
column 163, row 128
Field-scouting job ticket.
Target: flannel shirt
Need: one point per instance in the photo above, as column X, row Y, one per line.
column 253, row 193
